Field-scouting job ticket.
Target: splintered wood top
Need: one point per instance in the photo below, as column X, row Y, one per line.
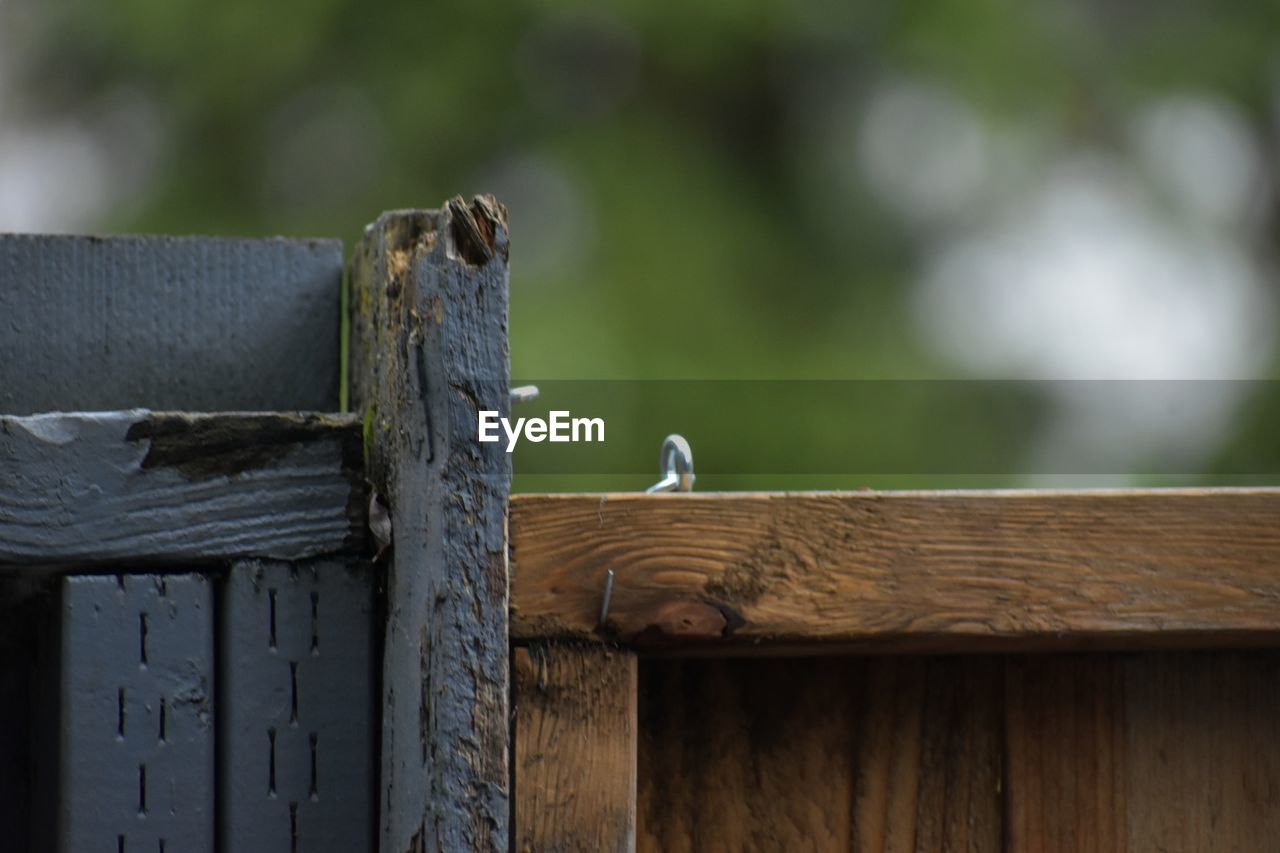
column 900, row 571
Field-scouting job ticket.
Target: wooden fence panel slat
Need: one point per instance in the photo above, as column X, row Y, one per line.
column 575, row 748
column 135, row 714
column 1065, row 755
column 953, row 571
column 203, row 324
column 429, row 350
column 297, row 725
column 928, row 755
column 1144, row 752
column 875, row 756
column 118, row 487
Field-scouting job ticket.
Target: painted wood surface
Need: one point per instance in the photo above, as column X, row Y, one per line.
column 134, row 716
column 297, row 724
column 142, row 486
column 575, row 748
column 429, row 349
column 176, row 323
column 946, row 571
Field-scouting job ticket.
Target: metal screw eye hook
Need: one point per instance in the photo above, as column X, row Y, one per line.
column 676, row 461
column 676, row 464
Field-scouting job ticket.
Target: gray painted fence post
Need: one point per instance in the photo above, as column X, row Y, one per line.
column 428, row 350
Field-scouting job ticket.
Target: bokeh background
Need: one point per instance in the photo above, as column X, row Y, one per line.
column 748, row 189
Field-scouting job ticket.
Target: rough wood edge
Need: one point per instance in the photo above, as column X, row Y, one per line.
column 219, row 484
column 428, row 348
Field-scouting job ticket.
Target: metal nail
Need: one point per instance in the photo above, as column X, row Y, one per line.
column 604, row 604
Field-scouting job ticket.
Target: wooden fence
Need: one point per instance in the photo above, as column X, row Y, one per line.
column 226, row 659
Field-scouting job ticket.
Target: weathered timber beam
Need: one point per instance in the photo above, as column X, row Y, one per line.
column 429, row 349
column 135, row 486
column 901, row 571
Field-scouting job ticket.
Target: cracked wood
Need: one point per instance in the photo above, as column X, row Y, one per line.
column 905, row 571
column 428, row 348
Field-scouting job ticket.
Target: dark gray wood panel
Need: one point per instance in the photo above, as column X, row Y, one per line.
column 132, row 486
column 297, row 724
column 182, row 323
column 136, row 714
column 429, row 349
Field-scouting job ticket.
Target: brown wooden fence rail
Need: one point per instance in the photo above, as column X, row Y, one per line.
column 907, row 701
column 325, row 632
column 918, row 571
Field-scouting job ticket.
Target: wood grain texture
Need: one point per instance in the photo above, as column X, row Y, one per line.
column 143, row 486
column 1144, row 752
column 428, row 350
column 917, row 571
column 575, row 748
column 895, row 754
column 928, row 756
column 1065, row 730
column 177, row 323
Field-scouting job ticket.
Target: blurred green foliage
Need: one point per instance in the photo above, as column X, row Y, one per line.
column 671, row 213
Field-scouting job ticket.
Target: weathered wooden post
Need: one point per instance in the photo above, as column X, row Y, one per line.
column 428, row 350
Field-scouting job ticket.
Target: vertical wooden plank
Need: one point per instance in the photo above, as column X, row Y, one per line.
column 927, row 765
column 745, row 755
column 136, row 716
column 1066, row 773
column 893, row 754
column 1144, row 752
column 296, row 718
column 575, row 748
column 1203, row 743
column 429, row 350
